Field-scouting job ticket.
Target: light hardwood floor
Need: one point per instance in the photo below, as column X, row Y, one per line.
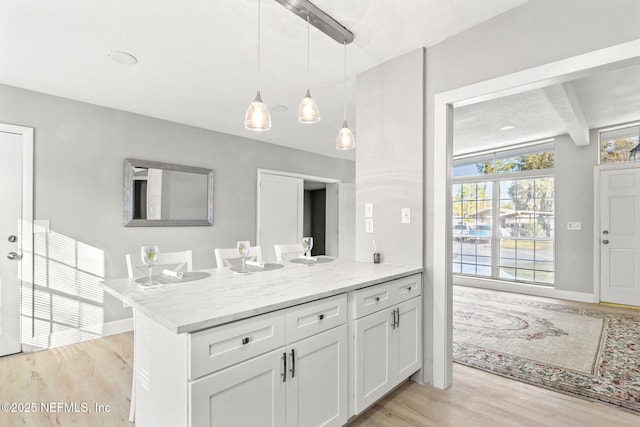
column 99, row 371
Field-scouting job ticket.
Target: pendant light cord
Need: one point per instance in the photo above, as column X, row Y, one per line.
column 308, row 49
column 344, row 89
column 259, row 71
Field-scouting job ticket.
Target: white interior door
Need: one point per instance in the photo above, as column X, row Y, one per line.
column 620, row 236
column 280, row 212
column 11, row 214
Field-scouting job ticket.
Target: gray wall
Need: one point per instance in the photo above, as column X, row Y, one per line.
column 574, row 202
column 533, row 34
column 79, row 152
column 390, row 135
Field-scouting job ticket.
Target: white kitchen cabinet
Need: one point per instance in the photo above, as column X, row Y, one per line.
column 251, row 393
column 303, row 383
column 388, row 350
column 317, row 382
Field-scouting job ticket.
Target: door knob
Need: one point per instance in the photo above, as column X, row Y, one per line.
column 605, row 242
column 13, row 255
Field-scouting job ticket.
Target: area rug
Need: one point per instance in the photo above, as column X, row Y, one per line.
column 585, row 352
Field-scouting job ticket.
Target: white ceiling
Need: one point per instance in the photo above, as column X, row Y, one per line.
column 604, row 98
column 197, row 58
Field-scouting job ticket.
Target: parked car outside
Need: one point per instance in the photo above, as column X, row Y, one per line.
column 481, row 233
column 461, row 232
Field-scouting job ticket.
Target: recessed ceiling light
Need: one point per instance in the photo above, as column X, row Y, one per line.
column 279, row 108
column 508, row 127
column 123, row 58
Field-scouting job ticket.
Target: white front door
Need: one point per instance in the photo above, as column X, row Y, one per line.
column 620, row 236
column 280, row 212
column 14, row 153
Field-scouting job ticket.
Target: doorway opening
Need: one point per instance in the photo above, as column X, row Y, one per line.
column 291, row 206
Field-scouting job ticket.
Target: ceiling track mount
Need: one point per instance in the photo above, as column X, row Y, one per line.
column 319, row 19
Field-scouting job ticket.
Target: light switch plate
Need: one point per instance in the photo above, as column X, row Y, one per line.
column 368, row 210
column 368, row 225
column 574, row 225
column 406, row 216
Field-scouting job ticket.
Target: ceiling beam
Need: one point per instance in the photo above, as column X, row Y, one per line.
column 565, row 102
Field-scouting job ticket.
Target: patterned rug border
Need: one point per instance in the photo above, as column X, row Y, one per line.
column 611, row 384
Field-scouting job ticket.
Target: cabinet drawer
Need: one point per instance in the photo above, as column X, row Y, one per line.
column 406, row 288
column 373, row 298
column 222, row 346
column 314, row 317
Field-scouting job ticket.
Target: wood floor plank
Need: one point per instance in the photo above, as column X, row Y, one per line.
column 89, row 373
column 480, row 399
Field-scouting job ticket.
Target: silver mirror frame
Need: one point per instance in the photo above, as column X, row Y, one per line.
column 130, row 164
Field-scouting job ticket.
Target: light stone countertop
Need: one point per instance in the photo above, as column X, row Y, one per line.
column 225, row 296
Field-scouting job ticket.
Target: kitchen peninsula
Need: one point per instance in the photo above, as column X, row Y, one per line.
column 295, row 346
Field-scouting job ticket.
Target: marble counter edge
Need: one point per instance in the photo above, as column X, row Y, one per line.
column 244, row 314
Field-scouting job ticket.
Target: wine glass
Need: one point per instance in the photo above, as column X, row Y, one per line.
column 243, row 248
column 149, row 256
column 307, row 245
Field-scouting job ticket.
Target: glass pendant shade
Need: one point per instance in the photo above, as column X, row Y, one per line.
column 257, row 117
column 345, row 139
column 308, row 112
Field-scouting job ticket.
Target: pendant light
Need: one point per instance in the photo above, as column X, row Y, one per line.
column 257, row 117
column 345, row 139
column 308, row 111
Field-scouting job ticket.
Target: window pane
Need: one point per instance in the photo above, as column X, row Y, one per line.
column 618, row 149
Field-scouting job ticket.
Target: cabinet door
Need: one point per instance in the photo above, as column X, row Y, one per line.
column 317, row 380
column 408, row 339
column 372, row 358
column 251, row 393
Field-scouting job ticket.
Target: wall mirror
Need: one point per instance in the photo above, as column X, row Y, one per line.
column 164, row 194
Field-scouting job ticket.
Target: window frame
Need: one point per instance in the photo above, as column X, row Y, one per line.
column 496, row 179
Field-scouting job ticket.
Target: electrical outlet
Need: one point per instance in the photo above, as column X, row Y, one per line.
column 406, row 216
column 368, row 225
column 574, row 225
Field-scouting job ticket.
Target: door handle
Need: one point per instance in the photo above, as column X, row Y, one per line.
column 293, row 363
column 398, row 321
column 284, row 371
column 605, row 242
column 14, row 256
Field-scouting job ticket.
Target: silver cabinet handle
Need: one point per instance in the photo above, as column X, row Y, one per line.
column 13, row 256
column 605, row 232
column 293, row 363
column 284, row 371
column 377, row 299
column 320, row 316
column 605, row 242
column 245, row 340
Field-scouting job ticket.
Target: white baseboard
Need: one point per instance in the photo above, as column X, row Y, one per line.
column 75, row 336
column 523, row 288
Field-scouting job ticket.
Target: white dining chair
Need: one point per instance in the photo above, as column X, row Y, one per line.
column 290, row 251
column 176, row 261
column 232, row 258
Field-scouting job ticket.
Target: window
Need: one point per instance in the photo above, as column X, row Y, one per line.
column 616, row 144
column 503, row 221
